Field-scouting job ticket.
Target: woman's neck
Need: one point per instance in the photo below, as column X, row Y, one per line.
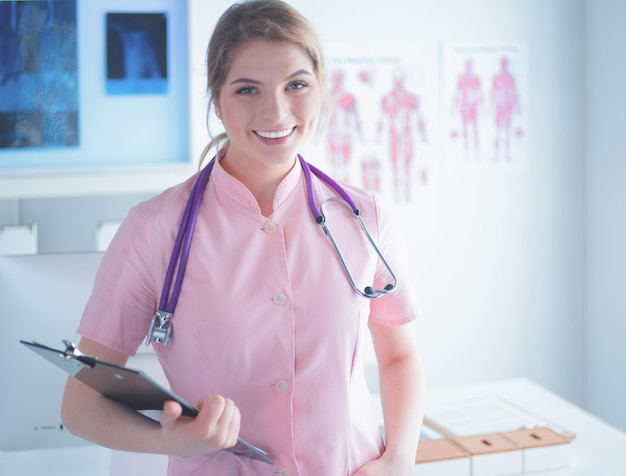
column 259, row 178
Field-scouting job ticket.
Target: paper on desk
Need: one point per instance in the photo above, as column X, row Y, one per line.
column 485, row 416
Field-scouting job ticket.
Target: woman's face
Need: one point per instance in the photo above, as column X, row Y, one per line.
column 269, row 103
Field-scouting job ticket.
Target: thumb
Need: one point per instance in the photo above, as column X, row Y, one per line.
column 171, row 412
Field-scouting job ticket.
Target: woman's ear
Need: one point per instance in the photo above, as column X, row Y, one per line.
column 217, row 110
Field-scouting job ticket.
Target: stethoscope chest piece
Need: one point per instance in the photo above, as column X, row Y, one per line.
column 160, row 329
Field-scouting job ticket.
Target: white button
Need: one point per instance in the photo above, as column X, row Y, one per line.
column 281, row 385
column 279, row 298
column 285, row 472
column 270, row 227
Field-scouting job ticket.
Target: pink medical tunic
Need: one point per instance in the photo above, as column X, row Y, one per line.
column 266, row 317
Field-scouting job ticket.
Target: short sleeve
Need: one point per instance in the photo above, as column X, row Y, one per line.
column 399, row 307
column 124, row 297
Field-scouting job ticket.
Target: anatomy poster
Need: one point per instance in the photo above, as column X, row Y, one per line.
column 484, row 105
column 379, row 132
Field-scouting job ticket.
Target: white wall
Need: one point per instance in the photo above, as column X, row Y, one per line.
column 606, row 208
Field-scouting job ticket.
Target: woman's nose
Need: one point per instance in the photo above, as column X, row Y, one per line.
column 275, row 106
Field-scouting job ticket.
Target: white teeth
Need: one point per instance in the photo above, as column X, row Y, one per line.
column 274, row 134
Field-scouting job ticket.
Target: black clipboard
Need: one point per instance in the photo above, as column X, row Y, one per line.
column 133, row 388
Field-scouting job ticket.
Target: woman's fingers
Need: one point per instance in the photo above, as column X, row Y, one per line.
column 220, row 419
column 171, row 413
column 215, row 427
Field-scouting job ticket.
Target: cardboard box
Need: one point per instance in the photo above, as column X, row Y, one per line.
column 441, row 457
column 492, row 455
column 542, row 449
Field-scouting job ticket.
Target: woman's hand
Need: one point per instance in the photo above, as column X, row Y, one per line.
column 215, row 427
column 387, row 466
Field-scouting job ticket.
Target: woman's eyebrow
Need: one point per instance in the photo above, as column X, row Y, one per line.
column 254, row 81
column 245, row 80
column 299, row 72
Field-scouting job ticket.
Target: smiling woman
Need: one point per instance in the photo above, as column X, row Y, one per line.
column 263, row 357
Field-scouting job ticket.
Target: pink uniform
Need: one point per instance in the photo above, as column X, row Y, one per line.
column 266, row 317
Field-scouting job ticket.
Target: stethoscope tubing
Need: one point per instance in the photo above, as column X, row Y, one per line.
column 180, row 252
column 317, row 213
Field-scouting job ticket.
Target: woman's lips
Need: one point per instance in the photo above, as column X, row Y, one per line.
column 274, row 137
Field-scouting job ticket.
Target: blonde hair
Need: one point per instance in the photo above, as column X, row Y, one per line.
column 270, row 20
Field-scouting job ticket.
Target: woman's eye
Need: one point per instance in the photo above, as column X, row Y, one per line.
column 297, row 85
column 246, row 90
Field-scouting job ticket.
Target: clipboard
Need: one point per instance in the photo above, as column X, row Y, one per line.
column 133, row 388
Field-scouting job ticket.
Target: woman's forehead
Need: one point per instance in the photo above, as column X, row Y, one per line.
column 266, row 57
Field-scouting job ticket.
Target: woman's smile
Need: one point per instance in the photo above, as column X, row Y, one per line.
column 275, row 137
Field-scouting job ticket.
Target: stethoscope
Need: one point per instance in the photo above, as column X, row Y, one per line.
column 160, row 330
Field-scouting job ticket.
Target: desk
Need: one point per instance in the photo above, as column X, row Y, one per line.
column 598, row 449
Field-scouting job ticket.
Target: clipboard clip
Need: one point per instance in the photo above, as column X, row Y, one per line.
column 71, row 350
column 72, row 354
column 160, row 330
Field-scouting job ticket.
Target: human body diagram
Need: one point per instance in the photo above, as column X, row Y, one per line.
column 505, row 101
column 468, row 100
column 486, row 109
column 400, row 117
column 344, row 124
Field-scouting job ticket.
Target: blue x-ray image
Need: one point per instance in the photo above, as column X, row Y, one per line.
column 38, row 74
column 136, row 53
